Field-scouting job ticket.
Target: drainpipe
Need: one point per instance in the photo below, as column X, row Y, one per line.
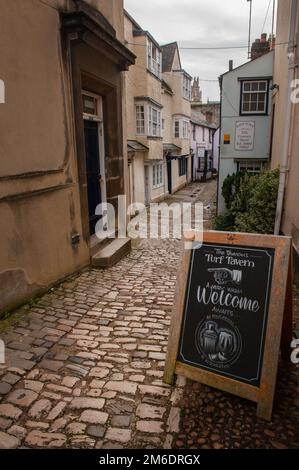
column 288, row 114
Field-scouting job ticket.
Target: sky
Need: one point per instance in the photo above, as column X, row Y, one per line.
column 204, row 23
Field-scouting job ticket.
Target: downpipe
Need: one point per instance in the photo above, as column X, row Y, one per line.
column 286, row 138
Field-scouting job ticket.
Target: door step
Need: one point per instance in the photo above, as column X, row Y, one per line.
column 112, row 253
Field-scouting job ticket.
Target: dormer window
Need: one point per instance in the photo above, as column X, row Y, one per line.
column 154, row 58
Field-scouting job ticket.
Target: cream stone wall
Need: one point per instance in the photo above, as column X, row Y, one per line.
column 40, row 205
column 290, row 219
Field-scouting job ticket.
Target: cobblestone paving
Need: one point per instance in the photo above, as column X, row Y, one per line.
column 84, row 363
column 211, row 419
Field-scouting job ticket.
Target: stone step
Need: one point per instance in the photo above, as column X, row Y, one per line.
column 112, row 253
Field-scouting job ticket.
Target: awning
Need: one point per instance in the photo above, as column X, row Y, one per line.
column 135, row 146
column 177, row 157
column 171, row 148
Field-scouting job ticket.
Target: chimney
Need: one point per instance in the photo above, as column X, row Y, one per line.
column 230, row 65
column 260, row 46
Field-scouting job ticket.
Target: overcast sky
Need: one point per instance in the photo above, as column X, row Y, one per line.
column 203, row 23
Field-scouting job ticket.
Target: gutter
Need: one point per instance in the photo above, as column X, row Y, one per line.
column 284, row 167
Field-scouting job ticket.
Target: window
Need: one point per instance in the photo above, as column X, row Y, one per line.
column 251, row 166
column 182, row 166
column 185, row 129
column 154, row 122
column 186, row 88
column 194, row 132
column 158, row 175
column 163, row 125
column 181, row 129
column 154, row 58
column 177, row 129
column 203, row 134
column 254, row 97
column 211, row 136
column 140, row 120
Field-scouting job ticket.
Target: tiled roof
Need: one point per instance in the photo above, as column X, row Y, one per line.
column 168, row 52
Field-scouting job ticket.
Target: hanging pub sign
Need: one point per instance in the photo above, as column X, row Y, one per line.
column 232, row 311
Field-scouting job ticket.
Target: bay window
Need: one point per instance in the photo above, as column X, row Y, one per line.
column 181, row 128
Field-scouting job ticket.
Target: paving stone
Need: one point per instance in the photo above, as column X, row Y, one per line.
column 59, row 424
column 69, row 381
column 99, row 372
column 85, row 402
column 164, row 392
column 39, row 408
column 96, row 431
column 46, row 440
column 118, row 435
column 8, row 441
column 22, row 397
column 76, row 428
column 149, row 411
column 173, row 423
column 123, row 387
column 11, row 378
column 5, row 423
column 121, row 421
column 10, row 411
column 51, row 365
column 4, row 388
column 55, row 412
column 37, row 425
column 152, row 427
column 34, row 385
column 17, row 431
column 94, row 417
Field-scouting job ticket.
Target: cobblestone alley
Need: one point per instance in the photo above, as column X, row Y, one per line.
column 84, row 363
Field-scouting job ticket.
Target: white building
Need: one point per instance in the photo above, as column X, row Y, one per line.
column 245, row 142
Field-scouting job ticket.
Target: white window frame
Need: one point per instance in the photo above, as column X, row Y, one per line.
column 158, row 179
column 183, row 127
column 251, row 166
column 154, row 58
column 186, row 88
column 186, row 129
column 250, row 93
column 140, row 109
column 154, row 121
column 98, row 114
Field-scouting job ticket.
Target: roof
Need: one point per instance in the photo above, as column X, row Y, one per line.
column 203, row 123
column 135, row 146
column 168, row 53
column 246, row 63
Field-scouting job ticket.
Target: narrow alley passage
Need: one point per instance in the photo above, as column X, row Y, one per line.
column 84, row 363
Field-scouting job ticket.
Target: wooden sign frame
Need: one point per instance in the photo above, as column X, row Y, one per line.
column 279, row 323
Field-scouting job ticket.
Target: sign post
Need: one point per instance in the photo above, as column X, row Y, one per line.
column 233, row 300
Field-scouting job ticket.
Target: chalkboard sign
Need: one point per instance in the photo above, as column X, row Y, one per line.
column 230, row 302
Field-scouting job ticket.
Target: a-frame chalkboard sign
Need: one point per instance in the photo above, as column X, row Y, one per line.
column 233, row 310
